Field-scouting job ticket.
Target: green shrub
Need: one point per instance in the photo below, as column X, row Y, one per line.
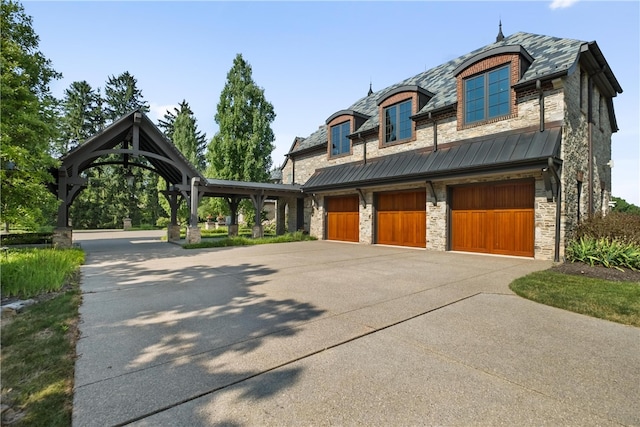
column 608, row 253
column 29, row 272
column 163, row 222
column 621, row 226
column 26, row 238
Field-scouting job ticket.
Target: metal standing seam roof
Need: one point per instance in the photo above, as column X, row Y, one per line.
column 513, row 150
column 552, row 55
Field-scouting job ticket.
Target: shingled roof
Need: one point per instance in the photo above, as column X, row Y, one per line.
column 552, row 57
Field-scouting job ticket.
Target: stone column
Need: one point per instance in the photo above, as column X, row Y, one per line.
column 193, row 235
column 126, row 223
column 281, row 214
column 173, row 233
column 62, row 237
column 233, row 230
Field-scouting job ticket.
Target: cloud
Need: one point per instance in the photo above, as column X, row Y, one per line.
column 157, row 111
column 562, row 4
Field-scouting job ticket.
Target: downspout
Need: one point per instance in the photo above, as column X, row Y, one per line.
column 541, row 102
column 556, row 177
column 293, row 170
column 364, row 147
column 435, row 133
column 590, row 143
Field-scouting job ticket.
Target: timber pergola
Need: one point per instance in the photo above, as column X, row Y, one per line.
column 134, row 141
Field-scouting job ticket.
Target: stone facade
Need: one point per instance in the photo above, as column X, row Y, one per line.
column 584, row 186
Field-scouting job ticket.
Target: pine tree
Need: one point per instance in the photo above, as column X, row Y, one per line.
column 28, row 121
column 122, row 96
column 191, row 142
column 82, row 115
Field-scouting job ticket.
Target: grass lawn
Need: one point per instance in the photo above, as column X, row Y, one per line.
column 38, row 344
column 615, row 301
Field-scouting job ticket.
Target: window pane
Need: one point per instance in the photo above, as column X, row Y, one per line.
column 339, row 141
column 390, row 125
column 474, row 99
column 498, row 90
column 346, row 146
column 405, row 121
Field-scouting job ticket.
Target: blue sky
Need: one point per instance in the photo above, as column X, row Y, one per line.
column 316, row 58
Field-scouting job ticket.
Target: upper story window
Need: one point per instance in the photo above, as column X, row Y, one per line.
column 340, row 143
column 397, row 122
column 487, row 96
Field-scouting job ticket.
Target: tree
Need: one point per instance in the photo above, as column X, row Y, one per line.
column 621, row 205
column 241, row 150
column 180, row 126
column 28, row 121
column 123, row 96
column 82, row 115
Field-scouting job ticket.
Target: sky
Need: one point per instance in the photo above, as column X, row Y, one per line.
column 315, row 58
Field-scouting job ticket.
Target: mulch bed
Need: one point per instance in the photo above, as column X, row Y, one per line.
column 597, row 272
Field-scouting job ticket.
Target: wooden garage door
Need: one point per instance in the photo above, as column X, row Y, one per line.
column 343, row 218
column 494, row 218
column 402, row 219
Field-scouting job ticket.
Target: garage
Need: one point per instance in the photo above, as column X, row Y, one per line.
column 343, row 218
column 496, row 218
column 401, row 219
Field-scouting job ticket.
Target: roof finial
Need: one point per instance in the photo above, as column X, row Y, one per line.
column 500, row 36
column 370, row 89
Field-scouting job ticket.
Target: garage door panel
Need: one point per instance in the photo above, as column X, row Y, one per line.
column 343, row 218
column 402, row 219
column 469, row 231
column 504, row 225
column 519, row 238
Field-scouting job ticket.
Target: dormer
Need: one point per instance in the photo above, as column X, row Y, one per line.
column 395, row 109
column 340, row 125
column 485, row 85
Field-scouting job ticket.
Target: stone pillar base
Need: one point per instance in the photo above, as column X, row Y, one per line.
column 62, row 237
column 233, row 230
column 210, row 225
column 173, row 233
column 126, row 223
column 258, row 231
column 193, row 235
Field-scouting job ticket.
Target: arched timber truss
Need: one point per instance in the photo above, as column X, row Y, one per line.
column 134, row 137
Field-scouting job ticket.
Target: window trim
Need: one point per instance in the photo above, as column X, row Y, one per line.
column 486, row 95
column 340, row 124
column 398, row 122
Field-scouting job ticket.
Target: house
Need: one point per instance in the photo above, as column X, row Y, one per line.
column 501, row 151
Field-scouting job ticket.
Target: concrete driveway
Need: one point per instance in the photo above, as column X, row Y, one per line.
column 326, row 333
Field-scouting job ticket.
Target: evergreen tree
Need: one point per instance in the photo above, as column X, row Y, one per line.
column 28, row 125
column 190, row 141
column 82, row 115
column 122, row 96
column 241, row 150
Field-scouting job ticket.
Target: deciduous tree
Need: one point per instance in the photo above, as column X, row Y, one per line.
column 28, row 125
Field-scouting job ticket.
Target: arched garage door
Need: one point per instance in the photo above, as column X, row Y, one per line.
column 343, row 218
column 496, row 218
column 402, row 218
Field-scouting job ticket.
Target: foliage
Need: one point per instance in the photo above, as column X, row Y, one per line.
column 28, row 121
column 615, row 301
column 26, row 238
column 122, row 96
column 621, row 226
column 29, row 272
column 163, row 222
column 245, row 241
column 38, row 356
column 82, row 116
column 180, row 127
column 622, row 205
column 241, row 150
column 602, row 251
